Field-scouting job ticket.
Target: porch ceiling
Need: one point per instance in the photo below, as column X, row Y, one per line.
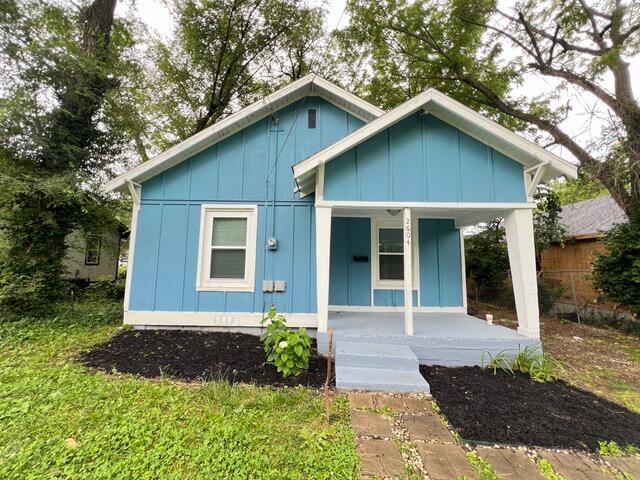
column 462, row 216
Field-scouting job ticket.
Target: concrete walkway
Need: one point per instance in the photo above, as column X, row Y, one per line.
column 403, row 437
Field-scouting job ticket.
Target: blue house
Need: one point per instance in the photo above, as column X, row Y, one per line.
column 341, row 215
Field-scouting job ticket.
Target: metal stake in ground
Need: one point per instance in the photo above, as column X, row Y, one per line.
column 327, row 403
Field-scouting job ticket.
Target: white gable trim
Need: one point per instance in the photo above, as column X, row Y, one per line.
column 453, row 112
column 310, row 84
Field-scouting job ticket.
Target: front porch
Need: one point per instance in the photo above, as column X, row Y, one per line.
column 453, row 339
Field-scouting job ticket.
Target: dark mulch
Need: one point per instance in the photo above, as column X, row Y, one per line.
column 501, row 408
column 189, row 355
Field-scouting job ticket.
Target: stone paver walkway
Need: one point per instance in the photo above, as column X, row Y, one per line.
column 444, row 461
column 380, row 458
column 402, row 436
column 628, row 465
column 574, row 466
column 510, row 464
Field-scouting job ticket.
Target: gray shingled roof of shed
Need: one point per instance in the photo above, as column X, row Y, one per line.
column 592, row 216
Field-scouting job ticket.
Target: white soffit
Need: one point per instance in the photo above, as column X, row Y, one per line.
column 456, row 114
column 308, row 85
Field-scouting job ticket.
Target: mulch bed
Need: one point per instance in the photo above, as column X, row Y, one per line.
column 501, row 408
column 189, row 355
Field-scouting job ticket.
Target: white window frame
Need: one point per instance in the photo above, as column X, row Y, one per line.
column 208, row 213
column 376, row 225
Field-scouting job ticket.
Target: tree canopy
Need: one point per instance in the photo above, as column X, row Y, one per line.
column 459, row 47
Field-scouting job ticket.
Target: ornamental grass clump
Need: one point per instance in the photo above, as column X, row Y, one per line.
column 288, row 350
column 541, row 366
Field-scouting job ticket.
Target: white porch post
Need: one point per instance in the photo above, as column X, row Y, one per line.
column 522, row 259
column 408, row 271
column 323, row 251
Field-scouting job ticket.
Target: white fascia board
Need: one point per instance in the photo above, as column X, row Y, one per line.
column 239, row 120
column 467, row 119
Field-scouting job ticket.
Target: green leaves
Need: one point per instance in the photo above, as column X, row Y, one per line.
column 288, row 350
column 616, row 271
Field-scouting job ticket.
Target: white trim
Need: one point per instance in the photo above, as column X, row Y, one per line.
column 132, row 245
column 466, row 119
column 320, row 184
column 533, row 182
column 386, row 309
column 434, row 205
column 518, row 226
column 212, row 319
column 376, row 283
column 463, row 267
column 308, row 85
column 407, row 248
column 323, row 264
column 208, row 212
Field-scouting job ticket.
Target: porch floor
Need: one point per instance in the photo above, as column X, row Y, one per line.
column 453, row 339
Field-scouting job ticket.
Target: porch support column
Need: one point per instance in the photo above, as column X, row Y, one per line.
column 522, row 259
column 408, row 272
column 323, row 251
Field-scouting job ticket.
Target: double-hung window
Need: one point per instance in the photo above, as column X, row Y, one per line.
column 227, row 254
column 390, row 254
column 92, row 251
column 387, row 253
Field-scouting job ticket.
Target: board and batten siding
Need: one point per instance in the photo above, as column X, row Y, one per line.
column 240, row 169
column 440, row 265
column 423, row 159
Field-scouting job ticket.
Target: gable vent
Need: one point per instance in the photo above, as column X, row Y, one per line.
column 312, row 118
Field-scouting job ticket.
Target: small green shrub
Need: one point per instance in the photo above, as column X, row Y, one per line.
column 612, row 449
column 616, row 271
column 540, row 366
column 483, row 469
column 288, row 350
column 548, row 294
column 105, row 289
column 613, row 321
column 499, row 361
column 547, row 470
column 609, row 448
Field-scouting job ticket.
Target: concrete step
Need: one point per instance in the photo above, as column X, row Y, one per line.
column 378, row 379
column 375, row 355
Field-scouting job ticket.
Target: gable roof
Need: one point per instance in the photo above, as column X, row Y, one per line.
column 452, row 112
column 591, row 218
column 310, row 84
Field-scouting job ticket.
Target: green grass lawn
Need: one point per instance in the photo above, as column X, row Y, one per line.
column 60, row 420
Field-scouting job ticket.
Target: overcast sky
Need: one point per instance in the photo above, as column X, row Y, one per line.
column 580, row 124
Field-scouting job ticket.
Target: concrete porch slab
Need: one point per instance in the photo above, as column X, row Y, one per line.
column 452, row 339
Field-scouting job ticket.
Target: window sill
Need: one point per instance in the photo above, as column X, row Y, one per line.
column 225, row 287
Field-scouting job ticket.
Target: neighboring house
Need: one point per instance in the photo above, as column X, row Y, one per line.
column 339, row 214
column 93, row 257
column 570, row 264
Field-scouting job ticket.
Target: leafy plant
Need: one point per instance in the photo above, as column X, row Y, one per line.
column 500, row 361
column 609, row 448
column 288, row 350
column 547, row 470
column 483, row 469
column 106, row 289
column 616, row 271
column 540, row 366
column 612, row 449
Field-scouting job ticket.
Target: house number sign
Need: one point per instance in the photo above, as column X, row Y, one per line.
column 407, row 231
